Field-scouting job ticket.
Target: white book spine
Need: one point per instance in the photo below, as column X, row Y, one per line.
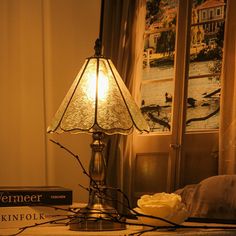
column 16, row 217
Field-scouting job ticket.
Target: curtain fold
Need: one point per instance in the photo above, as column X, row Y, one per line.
column 123, row 43
column 227, row 134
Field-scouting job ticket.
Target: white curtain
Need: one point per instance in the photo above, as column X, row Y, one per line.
column 227, row 137
column 123, row 43
column 134, row 85
column 22, row 128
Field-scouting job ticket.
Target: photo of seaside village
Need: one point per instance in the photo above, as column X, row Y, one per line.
column 204, row 70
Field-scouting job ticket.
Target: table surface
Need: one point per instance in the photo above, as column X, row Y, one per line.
column 64, row 231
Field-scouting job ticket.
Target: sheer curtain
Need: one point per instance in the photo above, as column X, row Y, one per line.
column 123, row 43
column 227, row 144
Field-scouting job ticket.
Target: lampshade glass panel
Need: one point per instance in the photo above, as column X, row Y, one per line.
column 112, row 112
column 55, row 123
column 80, row 113
column 137, row 117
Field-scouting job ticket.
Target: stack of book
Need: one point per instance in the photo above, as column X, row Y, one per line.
column 24, row 206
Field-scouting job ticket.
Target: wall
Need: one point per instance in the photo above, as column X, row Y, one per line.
column 43, row 44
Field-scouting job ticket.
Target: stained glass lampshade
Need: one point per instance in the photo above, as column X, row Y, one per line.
column 98, row 101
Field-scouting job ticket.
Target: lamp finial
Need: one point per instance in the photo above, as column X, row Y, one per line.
column 98, row 47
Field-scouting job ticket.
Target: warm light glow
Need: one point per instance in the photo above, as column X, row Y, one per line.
column 103, row 85
column 91, row 86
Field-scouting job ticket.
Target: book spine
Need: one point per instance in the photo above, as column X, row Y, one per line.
column 16, row 217
column 35, row 198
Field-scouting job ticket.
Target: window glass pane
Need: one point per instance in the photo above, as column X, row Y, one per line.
column 198, row 68
column 206, row 49
column 156, row 104
column 206, row 53
column 207, row 31
column 160, row 14
column 158, row 63
column 203, row 104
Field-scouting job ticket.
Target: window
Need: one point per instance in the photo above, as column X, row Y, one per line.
column 158, row 71
column 180, row 91
column 211, row 14
column 205, row 60
column 204, row 75
column 203, row 15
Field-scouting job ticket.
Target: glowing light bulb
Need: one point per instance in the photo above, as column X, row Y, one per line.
column 102, row 87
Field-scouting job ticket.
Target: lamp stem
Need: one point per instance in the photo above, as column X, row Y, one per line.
column 97, row 168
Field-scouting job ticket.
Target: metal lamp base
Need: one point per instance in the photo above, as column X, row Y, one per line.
column 99, row 217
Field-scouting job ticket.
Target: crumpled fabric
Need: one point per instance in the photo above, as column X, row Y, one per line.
column 214, row 197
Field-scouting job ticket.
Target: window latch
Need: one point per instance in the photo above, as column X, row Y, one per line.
column 175, row 145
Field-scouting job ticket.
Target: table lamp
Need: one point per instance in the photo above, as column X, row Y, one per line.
column 98, row 102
